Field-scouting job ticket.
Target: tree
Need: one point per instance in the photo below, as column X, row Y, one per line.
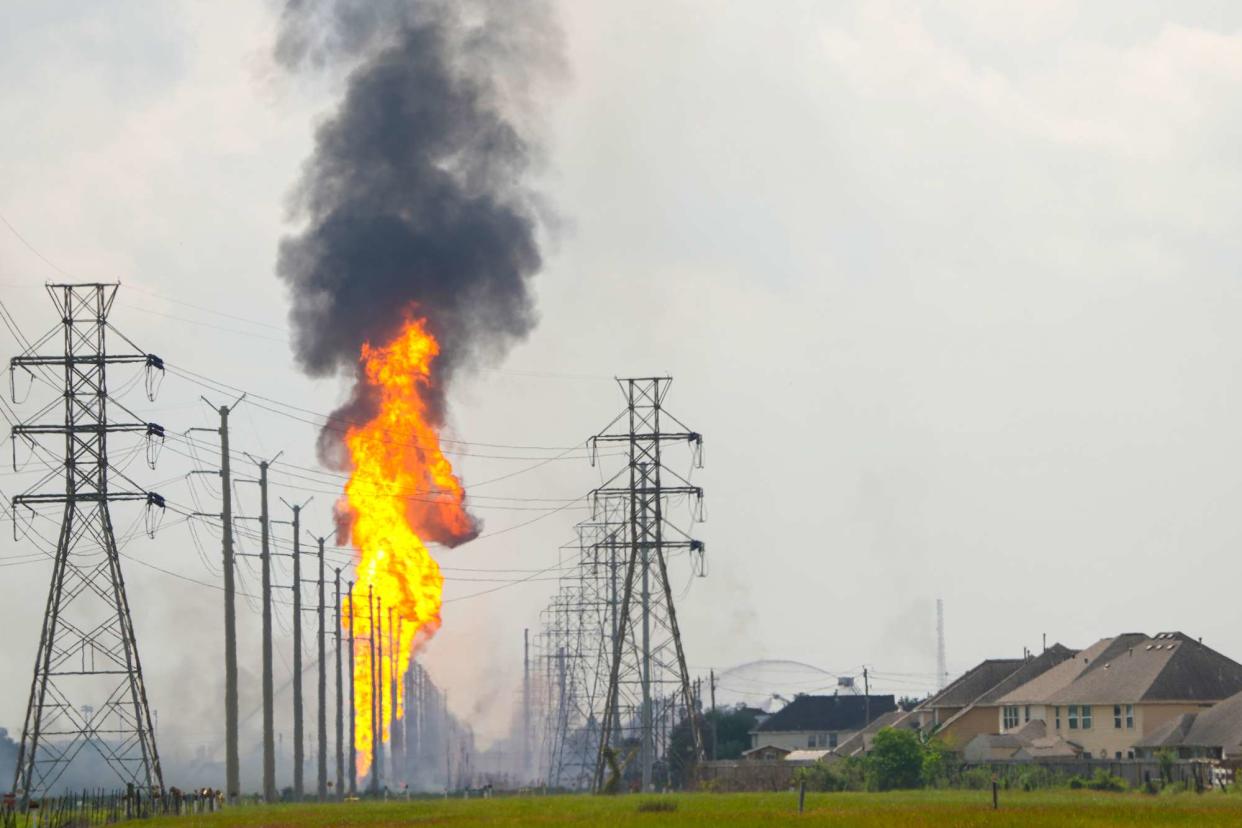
column 896, row 759
column 728, row 729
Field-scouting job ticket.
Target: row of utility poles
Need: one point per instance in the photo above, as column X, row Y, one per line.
column 229, row 556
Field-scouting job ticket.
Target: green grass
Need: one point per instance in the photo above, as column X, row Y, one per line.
column 906, row 808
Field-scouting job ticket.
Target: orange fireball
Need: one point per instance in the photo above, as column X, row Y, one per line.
column 402, row 490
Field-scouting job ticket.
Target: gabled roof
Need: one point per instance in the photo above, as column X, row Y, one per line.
column 764, row 748
column 860, row 742
column 974, row 683
column 1218, row 726
column 1170, row 734
column 1136, row 668
column 826, row 713
column 1027, row 669
column 1061, row 675
column 1030, row 669
column 1031, row 741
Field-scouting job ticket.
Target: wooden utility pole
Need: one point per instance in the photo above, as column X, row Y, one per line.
column 269, row 725
column 340, row 724
column 394, row 758
column 374, row 786
column 866, row 698
column 299, row 757
column 322, row 787
column 377, row 706
column 353, row 710
column 232, row 762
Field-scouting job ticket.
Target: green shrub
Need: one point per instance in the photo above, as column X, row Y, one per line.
column 1167, row 758
column 1105, row 781
column 975, row 779
column 1077, row 781
column 1036, row 778
column 895, row 761
column 841, row 775
column 820, row 776
column 938, row 764
column 654, row 806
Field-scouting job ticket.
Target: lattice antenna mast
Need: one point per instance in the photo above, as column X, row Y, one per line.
column 87, row 657
column 942, row 670
column 651, row 539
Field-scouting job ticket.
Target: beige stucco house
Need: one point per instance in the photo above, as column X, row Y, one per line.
column 1109, row 696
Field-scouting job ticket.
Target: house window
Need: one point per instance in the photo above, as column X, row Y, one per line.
column 1086, row 718
column 1010, row 720
column 1117, row 718
column 1073, row 717
column 832, row 740
column 1057, row 712
column 1129, row 717
column 811, row 740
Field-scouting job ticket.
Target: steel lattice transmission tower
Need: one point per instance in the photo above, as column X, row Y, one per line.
column 646, row 616
column 87, row 658
column 942, row 670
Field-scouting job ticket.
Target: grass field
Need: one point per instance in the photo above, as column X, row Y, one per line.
column 907, row 808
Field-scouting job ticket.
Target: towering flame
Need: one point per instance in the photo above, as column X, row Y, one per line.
column 402, row 492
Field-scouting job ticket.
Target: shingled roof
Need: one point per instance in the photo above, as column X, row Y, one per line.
column 1136, row 668
column 1220, row 726
column 1029, row 669
column 972, row 684
column 826, row 713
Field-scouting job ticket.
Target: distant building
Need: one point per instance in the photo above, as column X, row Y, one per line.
column 969, row 706
column 1031, row 741
column 1215, row 733
column 1109, row 697
column 765, row 752
column 820, row 722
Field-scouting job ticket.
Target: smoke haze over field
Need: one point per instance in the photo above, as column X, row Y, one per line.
column 417, row 193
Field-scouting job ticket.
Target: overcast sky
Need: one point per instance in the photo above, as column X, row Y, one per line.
column 951, row 294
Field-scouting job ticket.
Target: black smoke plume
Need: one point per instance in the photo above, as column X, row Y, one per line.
column 417, row 196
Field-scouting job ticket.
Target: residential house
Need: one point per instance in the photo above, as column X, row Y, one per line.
column 1109, row 697
column 820, row 721
column 1215, row 733
column 970, row 706
column 860, row 743
column 1030, row 741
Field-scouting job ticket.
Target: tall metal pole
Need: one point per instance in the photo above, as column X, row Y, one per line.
column 646, row 745
column 340, row 724
column 269, row 725
column 322, row 787
column 866, row 698
column 408, row 725
column 353, row 704
column 526, row 701
column 377, row 670
column 374, row 696
column 232, row 761
column 394, row 734
column 299, row 755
